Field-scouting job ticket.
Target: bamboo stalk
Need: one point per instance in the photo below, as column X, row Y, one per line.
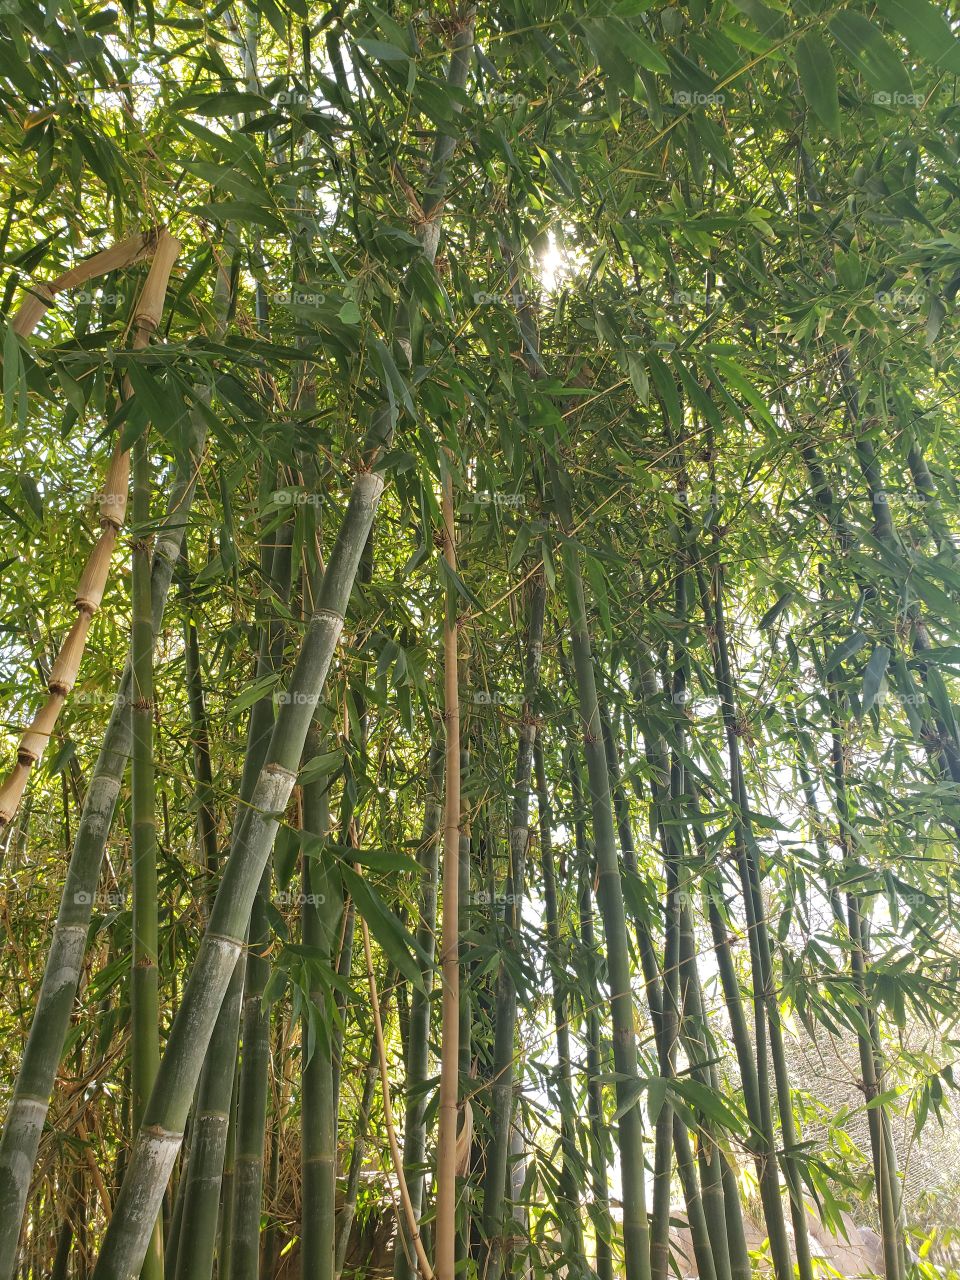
column 495, row 1197
column 418, row 1054
column 146, row 317
column 145, row 925
column 594, row 1064
column 413, row 1225
column 322, row 908
column 446, row 1207
column 42, row 295
column 571, row 1233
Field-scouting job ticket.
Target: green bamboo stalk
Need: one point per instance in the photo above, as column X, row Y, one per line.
column 495, row 1198
column 213, row 1116
column 199, row 732
column 603, row 1225
column 610, row 900
column 255, row 1015
column 446, row 1202
column 708, row 1247
column 345, row 1218
column 568, row 1208
column 320, row 917
column 418, row 1053
column 766, row 1008
column 868, row 1044
column 145, row 981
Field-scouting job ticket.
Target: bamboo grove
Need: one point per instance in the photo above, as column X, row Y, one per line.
column 480, row 640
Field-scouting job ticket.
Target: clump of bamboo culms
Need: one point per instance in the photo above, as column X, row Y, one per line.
column 255, row 1018
column 767, row 1025
column 125, row 1240
column 883, row 1150
column 113, row 503
column 28, row 1107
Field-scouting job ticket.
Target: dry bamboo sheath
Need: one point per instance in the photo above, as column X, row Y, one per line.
column 163, row 249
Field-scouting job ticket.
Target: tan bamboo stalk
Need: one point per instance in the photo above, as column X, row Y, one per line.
column 113, row 504
column 446, row 1205
column 413, row 1226
column 41, row 296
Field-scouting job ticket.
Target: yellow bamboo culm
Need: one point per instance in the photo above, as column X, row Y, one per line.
column 164, row 249
column 41, row 296
column 113, row 498
column 93, row 583
column 34, row 741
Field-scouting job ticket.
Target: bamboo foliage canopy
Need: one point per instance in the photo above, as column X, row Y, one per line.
column 490, row 471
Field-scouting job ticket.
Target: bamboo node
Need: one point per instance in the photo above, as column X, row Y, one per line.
column 142, row 704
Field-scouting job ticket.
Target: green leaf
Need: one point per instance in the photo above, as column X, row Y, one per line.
column 853, row 644
column 870, row 53
column 873, row 677
column 926, row 31
column 818, row 79
column 397, row 943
